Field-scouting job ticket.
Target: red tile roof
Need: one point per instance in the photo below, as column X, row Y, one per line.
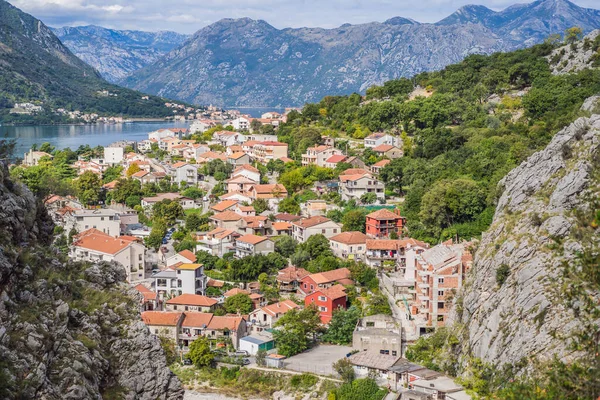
column 336, row 158
column 93, row 239
column 312, row 221
column 382, row 148
column 226, row 322
column 291, row 274
column 334, row 292
column 281, row 226
column 163, row 318
column 234, row 291
column 227, row 216
column 188, row 255
column 331, row 276
column 352, row 237
column 224, row 205
column 193, row 300
column 383, row 214
column 196, row 319
column 252, row 239
column 279, row 308
column 379, row 244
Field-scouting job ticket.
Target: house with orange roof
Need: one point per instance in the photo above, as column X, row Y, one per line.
column 273, row 193
column 247, row 171
column 184, row 257
column 382, row 223
column 227, row 327
column 327, row 300
column 234, row 291
column 378, row 166
column 217, row 242
column 163, row 324
column 265, row 151
column 354, row 186
column 239, row 196
column 281, row 228
column 319, row 154
column 194, row 325
column 351, row 245
column 229, row 138
column 240, row 183
column 144, row 177
column 210, row 156
column 148, row 298
column 195, row 151
column 95, row 246
column 306, row 227
column 250, row 245
column 324, row 280
column 288, row 279
column 191, row 302
column 224, row 206
column 334, row 160
column 239, row 158
column 255, row 225
column 179, row 149
column 266, row 316
column 244, row 211
column 236, row 148
column 183, row 172
column 226, row 219
column 389, row 151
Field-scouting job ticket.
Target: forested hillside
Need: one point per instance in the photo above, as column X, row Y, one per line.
column 36, row 67
column 463, row 129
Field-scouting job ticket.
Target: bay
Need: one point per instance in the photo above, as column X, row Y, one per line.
column 73, row 136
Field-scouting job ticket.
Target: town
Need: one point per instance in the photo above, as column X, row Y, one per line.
column 228, row 239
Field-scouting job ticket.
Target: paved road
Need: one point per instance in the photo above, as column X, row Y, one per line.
column 317, row 360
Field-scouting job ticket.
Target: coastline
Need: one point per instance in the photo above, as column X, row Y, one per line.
column 129, row 120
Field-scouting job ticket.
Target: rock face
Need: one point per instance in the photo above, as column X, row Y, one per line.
column 516, row 303
column 68, row 330
column 578, row 56
column 250, row 63
column 115, row 54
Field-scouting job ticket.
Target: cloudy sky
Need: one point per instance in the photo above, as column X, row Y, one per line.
column 187, row 16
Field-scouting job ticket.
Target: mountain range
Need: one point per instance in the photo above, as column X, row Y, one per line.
column 36, row 67
column 245, row 62
column 114, row 53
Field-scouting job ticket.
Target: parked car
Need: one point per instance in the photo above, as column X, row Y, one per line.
column 245, row 361
column 241, row 353
column 165, row 241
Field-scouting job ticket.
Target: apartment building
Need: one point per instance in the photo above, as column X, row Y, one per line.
column 318, row 155
column 350, row 245
column 185, row 173
column 381, row 223
column 250, row 245
column 353, row 187
column 327, row 301
column 105, row 220
column 306, row 227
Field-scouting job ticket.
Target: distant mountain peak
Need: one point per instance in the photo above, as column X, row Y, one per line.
column 401, row 21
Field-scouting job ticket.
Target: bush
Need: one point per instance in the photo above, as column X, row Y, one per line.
column 502, row 274
column 304, row 382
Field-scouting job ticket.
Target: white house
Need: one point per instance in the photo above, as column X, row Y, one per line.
column 250, row 245
column 265, row 317
column 185, row 173
column 248, row 171
column 241, row 124
column 105, row 220
column 113, row 155
column 304, row 228
column 184, row 278
column 94, row 245
column 379, row 138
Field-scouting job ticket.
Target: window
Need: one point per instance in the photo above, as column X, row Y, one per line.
column 440, row 304
column 321, row 308
column 175, row 307
column 178, row 272
column 323, row 231
column 156, row 331
column 440, row 318
column 186, row 308
column 312, row 287
column 305, row 286
column 139, row 257
column 334, row 230
column 370, row 324
column 440, row 292
column 394, row 353
column 384, row 352
column 322, row 298
column 101, row 218
column 441, row 280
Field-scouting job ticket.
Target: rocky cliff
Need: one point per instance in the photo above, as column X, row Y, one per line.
column 68, row 330
column 115, row 53
column 251, row 63
column 578, row 56
column 534, row 291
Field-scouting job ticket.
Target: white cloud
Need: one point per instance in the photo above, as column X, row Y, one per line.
column 187, row 16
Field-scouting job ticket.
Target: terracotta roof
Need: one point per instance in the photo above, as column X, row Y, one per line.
column 291, row 274
column 256, row 296
column 95, row 240
column 382, row 148
column 224, row 205
column 234, row 291
column 334, row 292
column 356, row 177
column 320, row 148
column 413, row 242
column 110, row 185
column 227, row 216
column 312, row 221
column 375, row 135
column 381, row 163
column 193, row 300
column 231, row 194
column 52, row 199
column 281, row 226
column 144, row 291
column 188, row 255
column 235, row 148
column 273, row 143
column 220, row 233
column 379, row 244
column 269, row 189
column 246, row 208
column 189, row 267
column 288, row 217
column 255, row 221
column 336, row 158
column 247, row 167
column 355, row 171
column 384, row 213
column 240, row 179
column 252, row 239
column 352, row 237
column 220, row 323
column 214, row 283
column 163, row 318
column 330, row 276
column 196, row 319
column 180, row 164
column 286, row 159
column 140, row 174
column 238, row 155
column 279, row 308
column 251, row 143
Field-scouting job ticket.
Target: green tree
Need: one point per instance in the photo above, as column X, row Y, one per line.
column 168, row 211
column 112, row 173
column 133, row 168
column 285, row 245
column 238, row 304
column 342, row 326
column 193, row 222
column 200, row 353
column 355, row 220
column 289, row 205
column 88, row 188
column 573, row 34
column 378, row 304
column 193, row 192
column 344, row 369
column 125, row 188
column 368, row 198
column 260, row 205
column 261, row 356
column 297, row 330
column 360, row 389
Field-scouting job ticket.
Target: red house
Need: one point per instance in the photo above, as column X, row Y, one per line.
column 324, row 280
column 328, row 300
column 382, row 222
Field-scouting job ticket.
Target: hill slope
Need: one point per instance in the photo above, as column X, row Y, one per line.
column 36, row 67
column 68, row 330
column 247, row 62
column 115, row 53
